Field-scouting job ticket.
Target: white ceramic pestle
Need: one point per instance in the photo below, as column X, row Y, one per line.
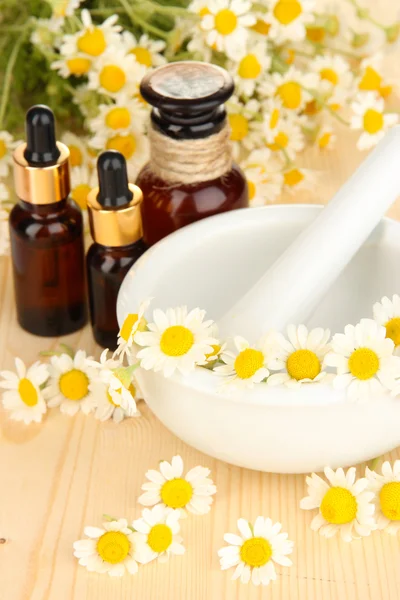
column 293, row 286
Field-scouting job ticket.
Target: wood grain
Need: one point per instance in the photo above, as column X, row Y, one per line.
column 58, row 477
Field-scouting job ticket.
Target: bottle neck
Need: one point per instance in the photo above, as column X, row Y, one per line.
column 44, row 210
column 181, row 125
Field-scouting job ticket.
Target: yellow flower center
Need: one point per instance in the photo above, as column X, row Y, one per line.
column 80, row 194
column 118, row 118
column 261, row 27
column 363, row 363
column 290, row 56
column 159, row 538
column 78, row 66
column 112, row 78
column 256, row 552
column 176, row 340
column 286, row 11
column 142, row 55
column 3, row 149
column 311, row 108
column 293, row 177
column 338, row 506
column 274, row 118
column 370, row 81
column 249, row 67
column 315, row 34
column 248, row 362
column 239, row 127
column 126, row 144
column 27, row 392
column 127, row 326
column 281, row 140
column 385, row 90
column 110, row 399
column 324, row 140
column 216, row 349
column 74, row 384
column 204, row 11
column 290, row 94
column 75, row 156
column 252, row 189
column 335, row 106
column 92, row 42
column 303, row 364
column 393, row 330
column 373, row 121
column 176, row 493
column 389, row 498
column 225, row 21
column 329, row 75
column 113, row 547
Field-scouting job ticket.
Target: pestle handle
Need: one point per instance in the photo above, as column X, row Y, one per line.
column 293, row 286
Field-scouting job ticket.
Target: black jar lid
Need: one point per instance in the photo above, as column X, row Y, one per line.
column 187, row 98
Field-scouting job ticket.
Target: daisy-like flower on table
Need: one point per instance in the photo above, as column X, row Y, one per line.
column 296, row 179
column 372, row 76
column 157, row 534
column 256, row 551
column 177, row 340
column 387, row 313
column 251, row 68
column 286, row 137
column 226, row 24
column 301, row 357
column 326, row 138
column 111, row 549
column 83, row 179
column 126, row 113
column 247, row 366
column 363, row 358
column 345, row 505
column 338, row 99
column 369, row 116
column 262, row 25
column 93, row 40
column 291, row 88
column 116, row 72
column 246, row 128
column 23, row 397
column 73, row 384
column 217, row 349
column 133, row 323
column 7, row 147
column 77, row 65
column 333, row 71
column 288, row 19
column 386, row 488
column 264, row 176
column 169, row 487
column 78, row 152
column 146, row 50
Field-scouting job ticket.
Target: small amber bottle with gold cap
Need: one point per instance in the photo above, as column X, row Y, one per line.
column 116, row 228
column 46, row 234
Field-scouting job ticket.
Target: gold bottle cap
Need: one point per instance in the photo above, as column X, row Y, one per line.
column 115, row 227
column 41, row 185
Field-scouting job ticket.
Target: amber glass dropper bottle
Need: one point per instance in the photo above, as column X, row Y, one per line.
column 116, row 228
column 46, row 234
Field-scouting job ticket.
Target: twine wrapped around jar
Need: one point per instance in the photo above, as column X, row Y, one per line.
column 190, row 161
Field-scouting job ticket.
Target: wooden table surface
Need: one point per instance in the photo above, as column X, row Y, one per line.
column 59, row 476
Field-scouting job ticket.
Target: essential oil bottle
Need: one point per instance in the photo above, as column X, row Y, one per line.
column 46, row 234
column 116, row 228
column 191, row 174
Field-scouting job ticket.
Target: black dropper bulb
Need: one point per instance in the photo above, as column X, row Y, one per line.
column 114, row 189
column 41, row 148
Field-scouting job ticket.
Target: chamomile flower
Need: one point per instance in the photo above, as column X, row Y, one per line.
column 326, row 138
column 363, row 358
column 262, row 24
column 177, row 340
column 372, row 76
column 63, row 8
column 338, row 99
column 23, row 397
column 291, row 88
column 370, row 118
column 387, row 313
column 116, row 402
column 226, row 23
column 111, row 549
column 285, row 137
column 246, row 366
column 78, row 153
column 300, row 358
column 83, row 179
column 255, row 551
column 296, row 179
column 73, row 384
column 44, row 33
column 191, row 492
column 77, row 65
column 344, row 504
column 116, row 72
column 157, row 534
column 146, row 50
column 217, row 349
column 264, row 176
column 333, row 71
column 7, row 147
column 133, row 144
column 118, row 117
column 386, row 488
column 288, row 19
column 246, row 128
column 251, row 68
column 93, row 40
column 133, row 323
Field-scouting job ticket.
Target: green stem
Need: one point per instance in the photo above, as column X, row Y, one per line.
column 288, row 160
column 318, row 46
column 318, row 98
column 8, row 76
column 374, row 463
column 138, row 20
column 172, row 11
column 364, row 14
